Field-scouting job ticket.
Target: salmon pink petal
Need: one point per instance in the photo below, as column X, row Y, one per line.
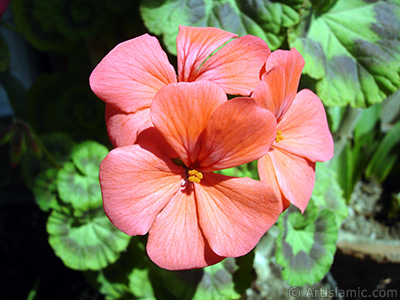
column 130, row 75
column 292, row 63
column 239, row 132
column 234, row 213
column 123, row 128
column 175, row 239
column 194, row 45
column 236, row 66
column 181, row 111
column 266, row 172
column 305, row 129
column 295, row 176
column 271, row 90
column 152, row 140
column 135, row 186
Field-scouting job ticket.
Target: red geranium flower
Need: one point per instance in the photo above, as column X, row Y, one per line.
column 128, row 77
column 165, row 184
column 303, row 135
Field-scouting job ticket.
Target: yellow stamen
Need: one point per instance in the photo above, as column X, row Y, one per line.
column 279, row 136
column 195, row 176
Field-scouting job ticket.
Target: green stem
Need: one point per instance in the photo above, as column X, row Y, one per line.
column 9, row 27
column 48, row 154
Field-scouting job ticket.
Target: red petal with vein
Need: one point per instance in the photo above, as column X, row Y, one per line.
column 266, row 171
column 152, row 140
column 292, row 63
column 305, row 129
column 135, row 186
column 234, row 213
column 194, row 45
column 295, row 175
column 131, row 74
column 123, row 128
column 182, row 110
column 236, row 66
column 175, row 239
column 271, row 90
column 239, row 132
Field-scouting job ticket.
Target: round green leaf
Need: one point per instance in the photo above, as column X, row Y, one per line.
column 328, row 194
column 45, row 189
column 306, row 253
column 59, row 102
column 87, row 157
column 37, row 20
column 217, row 282
column 90, row 242
column 140, row 284
column 265, row 19
column 81, row 191
column 352, row 48
column 127, row 278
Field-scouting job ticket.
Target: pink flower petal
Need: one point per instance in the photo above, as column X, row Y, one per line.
column 239, row 132
column 175, row 240
column 293, row 63
column 131, row 74
column 234, row 213
column 236, row 66
column 152, row 140
column 181, row 111
column 123, row 128
column 279, row 83
column 305, row 129
column 295, row 176
column 135, row 186
column 271, row 90
column 194, row 45
column 266, row 172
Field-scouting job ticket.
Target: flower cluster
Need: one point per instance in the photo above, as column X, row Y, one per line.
column 172, row 132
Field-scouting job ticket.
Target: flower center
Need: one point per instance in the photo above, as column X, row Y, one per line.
column 195, row 176
column 279, row 136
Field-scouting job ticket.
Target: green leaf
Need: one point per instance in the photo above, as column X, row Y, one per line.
column 122, row 279
column 82, row 192
column 37, row 20
column 263, row 18
column 306, row 252
column 247, row 170
column 390, row 111
column 217, row 282
column 214, row 282
column 328, row 194
column 76, row 18
column 58, row 144
column 369, row 119
column 78, row 182
column 140, row 284
column 353, row 49
column 89, row 242
column 385, row 155
column 45, row 189
column 87, row 157
column 59, row 102
column 243, row 275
